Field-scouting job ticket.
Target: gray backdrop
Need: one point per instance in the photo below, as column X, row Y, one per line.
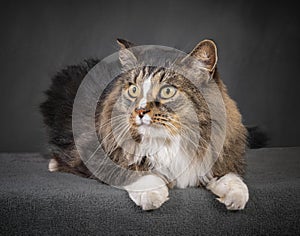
column 258, row 54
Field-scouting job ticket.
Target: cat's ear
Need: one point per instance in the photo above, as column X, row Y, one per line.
column 126, row 57
column 206, row 53
column 124, row 43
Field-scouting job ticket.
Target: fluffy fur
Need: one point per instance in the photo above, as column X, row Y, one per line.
column 158, row 131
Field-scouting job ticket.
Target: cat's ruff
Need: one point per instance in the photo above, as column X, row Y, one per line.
column 170, row 160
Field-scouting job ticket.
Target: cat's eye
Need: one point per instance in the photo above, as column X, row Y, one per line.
column 133, row 91
column 167, row 92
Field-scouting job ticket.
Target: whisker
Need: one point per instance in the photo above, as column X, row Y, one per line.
column 185, row 136
column 116, row 118
column 102, row 141
column 120, row 137
column 190, row 130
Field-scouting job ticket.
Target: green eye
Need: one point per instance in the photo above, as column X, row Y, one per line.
column 167, row 92
column 133, row 91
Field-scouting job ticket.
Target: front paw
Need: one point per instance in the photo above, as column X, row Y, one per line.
column 150, row 200
column 232, row 191
column 149, row 192
column 235, row 199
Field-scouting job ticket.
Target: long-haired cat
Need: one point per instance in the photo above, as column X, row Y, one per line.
column 159, row 108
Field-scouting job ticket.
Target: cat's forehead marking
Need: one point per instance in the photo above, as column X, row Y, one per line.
column 146, row 88
column 147, row 85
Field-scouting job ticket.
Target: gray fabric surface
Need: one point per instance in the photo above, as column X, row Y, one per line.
column 36, row 202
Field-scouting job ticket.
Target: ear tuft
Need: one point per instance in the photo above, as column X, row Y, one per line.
column 206, row 53
column 127, row 59
column 126, row 56
column 124, row 43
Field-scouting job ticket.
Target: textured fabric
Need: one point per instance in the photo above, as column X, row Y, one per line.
column 34, row 201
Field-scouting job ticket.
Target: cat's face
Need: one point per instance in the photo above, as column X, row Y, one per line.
column 156, row 103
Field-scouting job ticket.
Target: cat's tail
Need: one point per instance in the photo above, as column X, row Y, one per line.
column 257, row 137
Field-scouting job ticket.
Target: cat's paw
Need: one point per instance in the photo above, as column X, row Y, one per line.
column 235, row 199
column 149, row 192
column 151, row 199
column 232, row 191
column 53, row 165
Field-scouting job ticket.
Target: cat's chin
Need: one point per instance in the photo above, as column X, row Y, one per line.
column 142, row 123
column 152, row 131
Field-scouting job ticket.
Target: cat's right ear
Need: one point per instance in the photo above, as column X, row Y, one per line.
column 124, row 43
column 126, row 57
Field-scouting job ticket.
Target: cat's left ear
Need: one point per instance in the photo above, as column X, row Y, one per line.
column 126, row 57
column 206, row 53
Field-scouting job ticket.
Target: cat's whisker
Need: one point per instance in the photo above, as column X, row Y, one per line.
column 183, row 135
column 189, row 129
column 183, row 125
column 113, row 119
column 116, row 128
column 100, row 144
column 120, row 137
column 205, row 148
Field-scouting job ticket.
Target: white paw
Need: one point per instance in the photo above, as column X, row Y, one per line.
column 235, row 199
column 149, row 192
column 151, row 199
column 53, row 165
column 232, row 191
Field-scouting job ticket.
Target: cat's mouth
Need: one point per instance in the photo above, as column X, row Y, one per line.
column 152, row 131
column 144, row 120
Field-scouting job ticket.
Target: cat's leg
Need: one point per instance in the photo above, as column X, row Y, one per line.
column 148, row 192
column 231, row 190
column 70, row 165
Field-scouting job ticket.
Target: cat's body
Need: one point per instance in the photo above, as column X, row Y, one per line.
column 161, row 135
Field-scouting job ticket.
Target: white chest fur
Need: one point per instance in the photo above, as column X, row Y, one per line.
column 169, row 159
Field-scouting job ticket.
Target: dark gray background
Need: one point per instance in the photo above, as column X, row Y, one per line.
column 258, row 54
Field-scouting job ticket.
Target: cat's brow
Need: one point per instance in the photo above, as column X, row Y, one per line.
column 162, row 76
column 144, row 71
column 136, row 76
column 160, row 70
column 151, row 70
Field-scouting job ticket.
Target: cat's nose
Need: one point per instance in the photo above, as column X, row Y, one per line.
column 141, row 111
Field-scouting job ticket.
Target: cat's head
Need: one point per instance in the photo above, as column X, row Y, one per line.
column 156, row 102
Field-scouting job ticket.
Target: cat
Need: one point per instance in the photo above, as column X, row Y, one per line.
column 146, row 94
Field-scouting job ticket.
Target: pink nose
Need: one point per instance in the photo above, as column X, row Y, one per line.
column 141, row 111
